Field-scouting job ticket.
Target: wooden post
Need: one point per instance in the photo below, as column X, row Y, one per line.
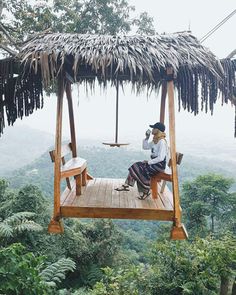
column 79, row 182
column 178, row 230
column 117, row 110
column 162, row 118
column 55, row 225
column 71, row 118
column 163, row 102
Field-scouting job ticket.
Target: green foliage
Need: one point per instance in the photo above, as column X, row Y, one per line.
column 55, row 272
column 103, row 243
column 192, row 268
column 31, row 199
column 72, row 16
column 207, row 200
column 24, row 273
column 126, row 281
column 144, row 24
column 18, row 223
column 3, row 188
column 19, row 272
column 6, row 197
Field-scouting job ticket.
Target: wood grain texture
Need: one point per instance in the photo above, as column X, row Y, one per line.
column 71, row 119
column 175, row 184
column 73, row 167
column 99, row 199
column 57, row 164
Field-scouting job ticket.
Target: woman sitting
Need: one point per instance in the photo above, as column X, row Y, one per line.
column 141, row 172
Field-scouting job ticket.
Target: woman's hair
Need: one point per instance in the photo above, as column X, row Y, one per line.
column 158, row 135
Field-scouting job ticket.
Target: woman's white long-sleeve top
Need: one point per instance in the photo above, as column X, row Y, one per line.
column 159, row 151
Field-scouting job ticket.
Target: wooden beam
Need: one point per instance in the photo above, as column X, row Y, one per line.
column 57, row 165
column 71, row 118
column 117, row 213
column 175, row 184
column 163, row 102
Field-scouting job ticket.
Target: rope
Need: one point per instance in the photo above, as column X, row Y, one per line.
column 217, row 26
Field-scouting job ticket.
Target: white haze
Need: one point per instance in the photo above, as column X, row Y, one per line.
column 95, row 114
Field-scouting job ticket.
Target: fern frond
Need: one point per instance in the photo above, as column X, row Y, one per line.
column 18, row 223
column 51, row 284
column 55, row 272
column 95, row 274
column 19, row 216
column 27, row 225
column 6, row 231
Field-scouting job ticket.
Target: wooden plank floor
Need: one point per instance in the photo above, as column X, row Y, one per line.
column 99, row 199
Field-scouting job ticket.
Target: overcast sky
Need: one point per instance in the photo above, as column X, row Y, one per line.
column 95, row 115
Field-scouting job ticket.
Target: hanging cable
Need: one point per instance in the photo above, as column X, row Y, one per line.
column 217, row 26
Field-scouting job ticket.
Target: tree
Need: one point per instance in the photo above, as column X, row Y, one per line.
column 144, row 24
column 103, row 241
column 129, row 280
column 30, row 198
column 6, row 197
column 67, row 16
column 207, row 200
column 201, row 267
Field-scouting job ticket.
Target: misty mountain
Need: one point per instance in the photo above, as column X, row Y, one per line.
column 20, row 145
column 24, row 158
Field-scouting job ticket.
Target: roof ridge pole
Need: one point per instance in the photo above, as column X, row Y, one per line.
column 55, row 225
column 71, row 118
column 178, row 231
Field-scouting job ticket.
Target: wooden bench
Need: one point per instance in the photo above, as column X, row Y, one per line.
column 162, row 176
column 75, row 167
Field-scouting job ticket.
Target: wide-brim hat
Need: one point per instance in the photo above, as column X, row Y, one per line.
column 160, row 126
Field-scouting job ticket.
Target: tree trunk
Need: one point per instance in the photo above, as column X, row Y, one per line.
column 212, row 224
column 224, row 286
column 234, row 287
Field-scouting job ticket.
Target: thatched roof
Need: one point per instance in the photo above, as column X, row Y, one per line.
column 133, row 57
column 141, row 60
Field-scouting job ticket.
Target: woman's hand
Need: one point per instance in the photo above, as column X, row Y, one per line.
column 147, row 134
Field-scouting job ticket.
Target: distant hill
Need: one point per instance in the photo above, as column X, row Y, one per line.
column 24, row 158
column 19, row 146
column 112, row 163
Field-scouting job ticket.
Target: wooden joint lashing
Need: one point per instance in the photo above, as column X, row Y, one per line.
column 169, row 75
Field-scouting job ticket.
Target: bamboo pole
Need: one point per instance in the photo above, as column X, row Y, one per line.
column 71, row 118
column 163, row 102
column 57, row 165
column 175, row 185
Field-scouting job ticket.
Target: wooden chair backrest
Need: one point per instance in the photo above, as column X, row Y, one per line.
column 65, row 150
column 179, row 158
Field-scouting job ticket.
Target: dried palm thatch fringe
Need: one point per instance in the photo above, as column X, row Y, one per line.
column 142, row 60
column 20, row 94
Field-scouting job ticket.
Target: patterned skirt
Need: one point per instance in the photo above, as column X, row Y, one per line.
column 142, row 172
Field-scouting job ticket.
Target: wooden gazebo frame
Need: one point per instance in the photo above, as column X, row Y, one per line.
column 166, row 61
column 65, row 202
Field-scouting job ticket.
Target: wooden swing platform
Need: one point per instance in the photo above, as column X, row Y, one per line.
column 99, row 199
